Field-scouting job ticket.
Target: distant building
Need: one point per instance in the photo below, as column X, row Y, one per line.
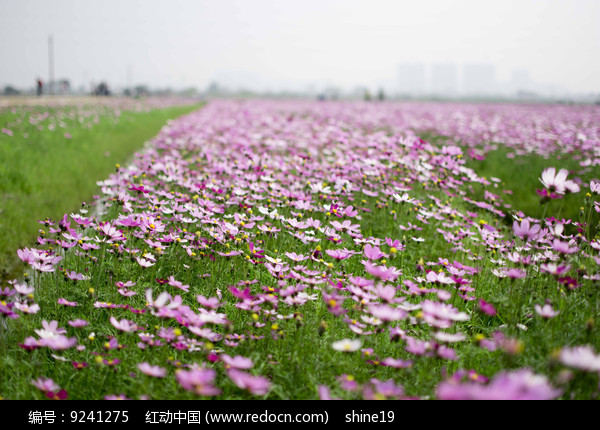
column 521, row 82
column 479, row 80
column 412, row 79
column 444, row 79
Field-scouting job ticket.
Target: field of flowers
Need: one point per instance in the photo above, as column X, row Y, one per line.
column 53, row 150
column 305, row 250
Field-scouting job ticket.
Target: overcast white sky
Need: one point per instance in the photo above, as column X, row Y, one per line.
column 293, row 44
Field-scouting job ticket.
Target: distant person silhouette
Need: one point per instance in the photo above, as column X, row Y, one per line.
column 40, row 87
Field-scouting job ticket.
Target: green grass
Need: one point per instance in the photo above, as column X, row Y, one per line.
column 45, row 174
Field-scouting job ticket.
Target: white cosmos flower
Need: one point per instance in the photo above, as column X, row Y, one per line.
column 580, row 357
column 347, row 345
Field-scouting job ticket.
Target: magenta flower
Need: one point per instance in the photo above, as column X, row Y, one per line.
column 79, row 364
column 59, row 395
column 487, row 308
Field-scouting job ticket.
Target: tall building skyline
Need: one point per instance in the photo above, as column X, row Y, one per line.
column 449, row 79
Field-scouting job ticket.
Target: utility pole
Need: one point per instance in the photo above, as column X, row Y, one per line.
column 51, row 63
column 130, row 78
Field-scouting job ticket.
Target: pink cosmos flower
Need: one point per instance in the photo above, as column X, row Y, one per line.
column 347, row 382
column 178, row 284
column 382, row 272
column 212, row 302
column 116, row 397
column 555, row 269
column 59, row 342
column 515, row 273
column 546, row 311
column 526, row 231
column 111, row 232
column 339, row 254
column 382, row 390
column 295, row 257
column 254, row 384
column 387, row 313
column 442, row 315
column 200, row 381
column 580, row 357
column 520, row 384
column 438, row 277
column 123, row 325
column 563, row 247
column 23, row 289
column 126, row 293
column 396, row 363
column 45, row 384
column 50, row 329
column 324, row 393
column 237, row 362
column 65, row 302
column 78, row 323
column 373, row 252
column 74, row 276
column 155, row 371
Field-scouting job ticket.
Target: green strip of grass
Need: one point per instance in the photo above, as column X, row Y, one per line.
column 520, row 176
column 48, row 174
